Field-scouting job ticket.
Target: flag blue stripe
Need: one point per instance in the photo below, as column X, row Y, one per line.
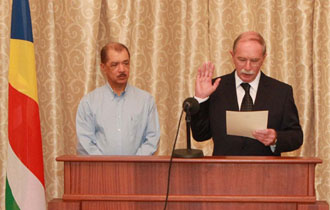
column 21, row 27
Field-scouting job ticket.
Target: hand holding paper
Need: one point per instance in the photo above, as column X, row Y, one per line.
column 245, row 123
column 266, row 136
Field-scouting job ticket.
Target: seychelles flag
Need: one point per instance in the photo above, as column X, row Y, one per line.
column 25, row 185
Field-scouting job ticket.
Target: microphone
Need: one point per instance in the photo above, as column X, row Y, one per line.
column 190, row 106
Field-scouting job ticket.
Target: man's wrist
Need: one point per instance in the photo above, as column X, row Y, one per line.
column 201, row 100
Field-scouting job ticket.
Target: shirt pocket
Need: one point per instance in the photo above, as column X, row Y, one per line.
column 136, row 120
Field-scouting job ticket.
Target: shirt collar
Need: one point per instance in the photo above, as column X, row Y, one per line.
column 254, row 84
column 113, row 94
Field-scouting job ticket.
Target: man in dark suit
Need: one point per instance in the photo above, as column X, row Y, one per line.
column 225, row 93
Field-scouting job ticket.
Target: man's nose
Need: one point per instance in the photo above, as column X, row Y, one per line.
column 121, row 67
column 247, row 65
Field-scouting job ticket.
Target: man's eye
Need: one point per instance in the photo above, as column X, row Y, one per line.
column 242, row 59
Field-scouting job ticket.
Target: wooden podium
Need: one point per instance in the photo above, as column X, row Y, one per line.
column 229, row 183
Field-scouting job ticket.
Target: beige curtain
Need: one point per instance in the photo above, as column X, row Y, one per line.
column 168, row 40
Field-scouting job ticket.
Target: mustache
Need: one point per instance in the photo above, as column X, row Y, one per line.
column 244, row 71
column 122, row 75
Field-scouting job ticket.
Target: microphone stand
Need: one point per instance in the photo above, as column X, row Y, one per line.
column 188, row 153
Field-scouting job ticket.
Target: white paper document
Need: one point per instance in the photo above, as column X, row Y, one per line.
column 244, row 123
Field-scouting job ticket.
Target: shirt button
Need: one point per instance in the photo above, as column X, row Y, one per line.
column 118, row 129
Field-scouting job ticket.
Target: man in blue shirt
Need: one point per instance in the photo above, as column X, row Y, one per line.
column 117, row 118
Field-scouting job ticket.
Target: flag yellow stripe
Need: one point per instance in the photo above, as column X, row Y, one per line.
column 22, row 68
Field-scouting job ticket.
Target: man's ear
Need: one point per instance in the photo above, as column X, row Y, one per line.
column 102, row 66
column 232, row 53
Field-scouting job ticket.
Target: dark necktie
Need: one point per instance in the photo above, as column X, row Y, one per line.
column 247, row 103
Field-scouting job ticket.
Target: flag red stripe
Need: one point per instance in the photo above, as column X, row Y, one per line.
column 24, row 131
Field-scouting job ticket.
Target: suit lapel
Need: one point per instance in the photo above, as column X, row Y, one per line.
column 263, row 95
column 230, row 92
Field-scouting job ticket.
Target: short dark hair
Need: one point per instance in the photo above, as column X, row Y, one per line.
column 118, row 47
column 258, row 38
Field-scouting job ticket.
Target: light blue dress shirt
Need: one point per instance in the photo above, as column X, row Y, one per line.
column 108, row 124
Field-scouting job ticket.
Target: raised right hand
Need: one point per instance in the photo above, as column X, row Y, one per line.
column 203, row 85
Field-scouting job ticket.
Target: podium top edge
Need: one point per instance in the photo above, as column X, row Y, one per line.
column 207, row 159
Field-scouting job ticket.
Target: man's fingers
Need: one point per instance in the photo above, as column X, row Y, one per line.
column 263, row 131
column 216, row 83
column 210, row 70
column 265, row 136
column 205, row 71
column 199, row 73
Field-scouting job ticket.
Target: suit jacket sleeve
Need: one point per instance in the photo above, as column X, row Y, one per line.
column 200, row 123
column 290, row 135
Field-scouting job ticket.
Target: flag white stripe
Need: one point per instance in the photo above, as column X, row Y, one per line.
column 26, row 188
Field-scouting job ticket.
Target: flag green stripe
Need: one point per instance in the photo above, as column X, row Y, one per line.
column 10, row 200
